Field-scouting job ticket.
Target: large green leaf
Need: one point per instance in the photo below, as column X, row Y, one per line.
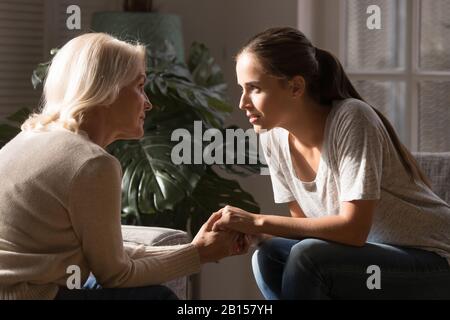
column 205, row 71
column 197, row 87
column 10, row 126
column 7, row 132
column 151, row 182
column 19, row 116
column 39, row 74
column 214, row 192
column 251, row 155
column 170, row 91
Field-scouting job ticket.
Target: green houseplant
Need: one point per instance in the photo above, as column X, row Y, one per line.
column 155, row 191
column 138, row 5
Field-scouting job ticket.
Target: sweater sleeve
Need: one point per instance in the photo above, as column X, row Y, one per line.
column 94, row 209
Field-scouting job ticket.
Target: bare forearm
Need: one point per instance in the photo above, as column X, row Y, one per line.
column 334, row 228
column 351, row 226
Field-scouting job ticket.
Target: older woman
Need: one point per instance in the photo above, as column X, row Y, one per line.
column 60, row 197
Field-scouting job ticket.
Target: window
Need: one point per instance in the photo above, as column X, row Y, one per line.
column 403, row 68
column 28, row 31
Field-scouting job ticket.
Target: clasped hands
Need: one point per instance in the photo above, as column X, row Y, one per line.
column 229, row 231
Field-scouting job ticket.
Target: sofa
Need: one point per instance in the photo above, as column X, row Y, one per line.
column 435, row 165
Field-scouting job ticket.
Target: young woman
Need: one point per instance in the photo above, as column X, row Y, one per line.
column 60, row 196
column 363, row 222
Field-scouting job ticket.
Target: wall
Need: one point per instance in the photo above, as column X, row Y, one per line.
column 224, row 26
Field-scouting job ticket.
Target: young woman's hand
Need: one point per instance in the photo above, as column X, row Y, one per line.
column 236, row 219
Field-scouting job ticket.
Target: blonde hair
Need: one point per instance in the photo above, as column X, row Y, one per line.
column 87, row 71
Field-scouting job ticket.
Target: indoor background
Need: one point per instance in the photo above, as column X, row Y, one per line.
column 403, row 69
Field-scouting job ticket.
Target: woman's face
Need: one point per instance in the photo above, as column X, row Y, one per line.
column 127, row 113
column 264, row 98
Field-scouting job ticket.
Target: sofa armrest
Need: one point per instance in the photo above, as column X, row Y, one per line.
column 156, row 236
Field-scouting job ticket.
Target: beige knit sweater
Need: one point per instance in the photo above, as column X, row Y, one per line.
column 60, row 201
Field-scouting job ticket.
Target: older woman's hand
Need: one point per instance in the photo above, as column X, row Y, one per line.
column 215, row 245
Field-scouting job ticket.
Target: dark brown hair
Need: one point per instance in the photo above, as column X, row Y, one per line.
column 286, row 52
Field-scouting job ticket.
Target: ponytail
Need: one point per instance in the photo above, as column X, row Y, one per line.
column 334, row 84
column 286, row 52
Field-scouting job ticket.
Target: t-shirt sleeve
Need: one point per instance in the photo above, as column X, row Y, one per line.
column 277, row 167
column 94, row 209
column 359, row 153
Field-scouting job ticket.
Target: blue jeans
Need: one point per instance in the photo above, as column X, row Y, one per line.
column 93, row 291
column 318, row 269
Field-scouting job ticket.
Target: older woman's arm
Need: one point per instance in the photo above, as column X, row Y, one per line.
column 94, row 208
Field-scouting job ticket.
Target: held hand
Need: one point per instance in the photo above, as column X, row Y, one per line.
column 236, row 219
column 215, row 245
column 256, row 239
column 242, row 244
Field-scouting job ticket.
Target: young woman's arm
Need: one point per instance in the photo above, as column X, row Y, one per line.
column 295, row 210
column 351, row 226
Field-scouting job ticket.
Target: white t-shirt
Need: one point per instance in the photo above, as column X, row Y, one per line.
column 358, row 161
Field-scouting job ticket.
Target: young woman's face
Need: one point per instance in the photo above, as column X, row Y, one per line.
column 263, row 97
column 127, row 113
